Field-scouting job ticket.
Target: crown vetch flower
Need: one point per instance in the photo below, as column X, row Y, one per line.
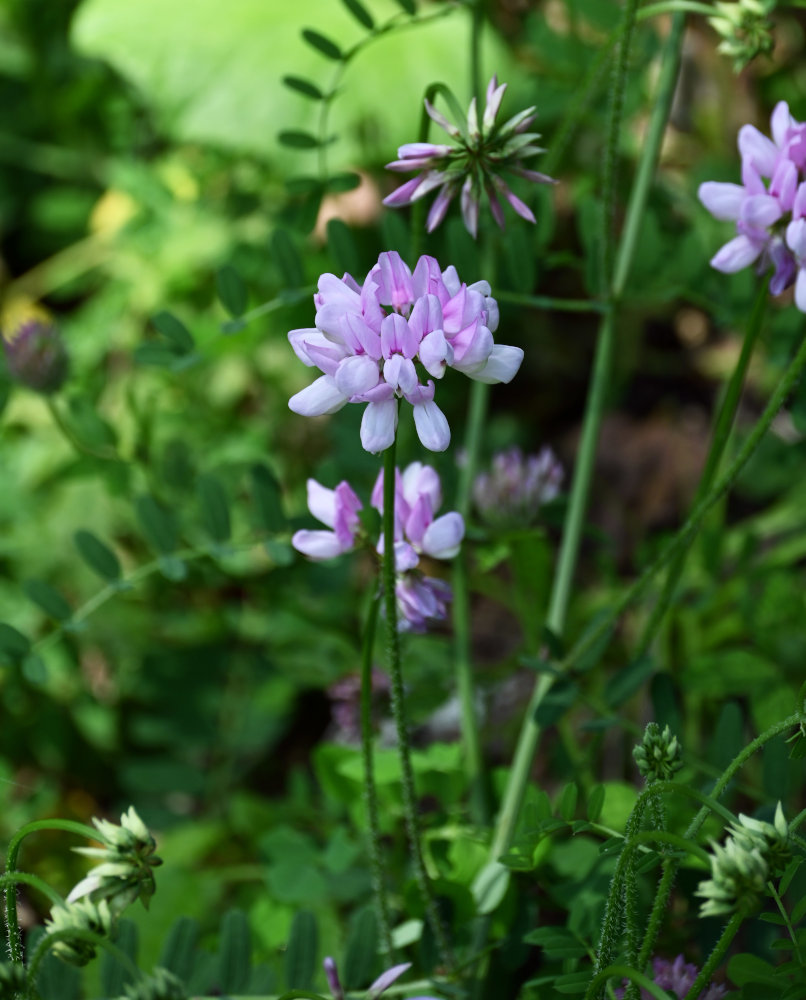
column 82, row 915
column 769, row 217
column 373, row 342
column 338, row 509
column 36, row 356
column 483, row 151
column 517, row 486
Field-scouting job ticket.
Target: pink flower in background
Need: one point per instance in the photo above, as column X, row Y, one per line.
column 769, row 217
column 516, row 486
column 375, row 343
column 678, row 976
column 418, row 532
column 473, row 166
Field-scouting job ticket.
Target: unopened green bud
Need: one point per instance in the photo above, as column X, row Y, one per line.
column 745, row 29
column 771, row 839
column 36, row 356
column 83, row 915
column 658, row 755
column 160, row 985
column 12, row 980
column 128, row 861
column 739, row 873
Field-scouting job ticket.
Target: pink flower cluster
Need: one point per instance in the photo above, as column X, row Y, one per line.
column 768, row 207
column 373, row 341
column 418, row 495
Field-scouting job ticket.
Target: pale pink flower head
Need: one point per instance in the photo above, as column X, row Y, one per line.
column 767, row 207
column 338, row 510
column 483, row 151
column 379, row 342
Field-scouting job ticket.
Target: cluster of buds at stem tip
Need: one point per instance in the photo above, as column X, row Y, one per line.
column 82, row 915
column 659, row 754
column 753, row 852
column 745, row 29
column 128, row 861
column 12, row 980
column 483, row 151
column 36, row 356
column 160, row 985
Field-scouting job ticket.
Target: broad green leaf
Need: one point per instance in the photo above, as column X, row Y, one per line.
column 234, row 952
column 751, row 969
column 360, row 955
column 573, row 982
column 48, row 598
column 556, row 942
column 408, row 6
column 178, row 948
column 304, row 87
column 296, row 139
column 360, row 13
column 266, row 497
column 214, row 507
column 14, row 646
column 322, row 44
column 567, row 804
column 174, row 331
column 595, row 803
column 231, row 290
column 301, row 953
column 115, row 975
column 160, row 525
column 98, row 556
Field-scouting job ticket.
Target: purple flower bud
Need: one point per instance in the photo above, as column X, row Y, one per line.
column 512, row 493
column 36, row 356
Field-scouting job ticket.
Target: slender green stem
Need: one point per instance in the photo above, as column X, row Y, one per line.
column 719, row 439
column 692, row 525
column 475, row 50
column 370, row 789
column 716, row 956
column 675, row 6
column 399, row 708
column 79, row 934
column 787, row 922
column 12, row 924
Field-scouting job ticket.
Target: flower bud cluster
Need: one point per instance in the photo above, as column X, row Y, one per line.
column 753, row 852
column 128, row 861
column 659, row 754
column 36, row 356
column 79, row 915
column 417, row 532
column 745, row 29
column 160, row 985
column 484, row 150
column 372, row 342
column 768, row 207
column 516, row 486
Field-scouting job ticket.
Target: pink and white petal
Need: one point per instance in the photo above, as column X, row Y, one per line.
column 738, row 253
column 317, row 544
column 322, row 503
column 442, row 121
column 496, row 209
column 426, row 316
column 405, row 556
column 419, row 518
column 756, row 147
column 494, row 96
column 361, row 333
column 796, row 239
column 320, row 397
column 435, row 353
column 799, row 204
column 299, row 340
column 378, row 426
column 760, row 211
column 784, row 184
column 780, row 123
column 520, row 207
column 439, row 209
column 385, row 980
column 502, row 365
column 432, row 426
column 419, row 149
column 800, row 290
column 443, row 537
column 357, row 375
column 405, row 194
column 723, row 201
column 427, row 279
column 421, row 480
column 470, row 208
column 341, row 292
column 472, row 349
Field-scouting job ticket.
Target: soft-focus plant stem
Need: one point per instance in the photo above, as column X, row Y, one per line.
column 719, row 439
column 399, row 708
column 370, row 789
column 12, row 855
column 78, row 934
column 716, row 956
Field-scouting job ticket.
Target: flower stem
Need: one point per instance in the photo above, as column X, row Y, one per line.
column 12, row 924
column 79, row 934
column 722, row 428
column 399, row 708
column 597, row 391
column 370, row 789
column 692, row 525
column 715, row 957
